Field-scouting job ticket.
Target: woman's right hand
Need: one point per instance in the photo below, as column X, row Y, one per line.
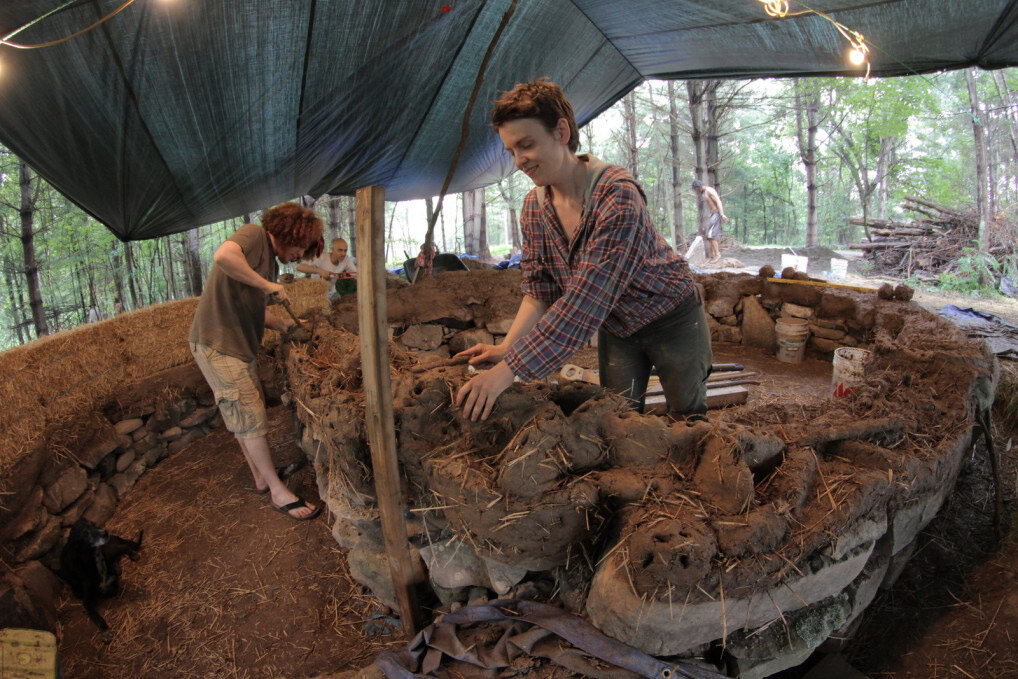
column 481, row 354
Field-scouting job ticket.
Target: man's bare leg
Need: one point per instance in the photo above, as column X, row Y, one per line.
column 256, row 452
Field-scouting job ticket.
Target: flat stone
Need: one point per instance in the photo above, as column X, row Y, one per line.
column 452, row 564
column 757, row 325
column 729, row 333
column 155, row 455
column 660, row 628
column 125, row 460
column 789, row 309
column 827, row 333
column 185, row 440
column 125, row 480
column 93, row 453
column 44, row 539
column 440, row 352
column 500, row 327
column 68, row 487
column 503, row 576
column 141, row 434
column 467, row 338
column 199, row 416
column 103, row 505
column 721, row 307
column 371, row 568
column 779, row 647
column 171, row 434
column 124, row 441
column 910, row 519
column 729, row 320
column 426, row 336
column 74, row 512
column 128, row 426
column 27, row 518
column 826, row 345
column 43, row 588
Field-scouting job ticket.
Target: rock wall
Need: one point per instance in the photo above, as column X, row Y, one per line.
column 749, row 539
column 86, row 413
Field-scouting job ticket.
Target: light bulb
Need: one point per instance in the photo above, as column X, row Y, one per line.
column 856, row 56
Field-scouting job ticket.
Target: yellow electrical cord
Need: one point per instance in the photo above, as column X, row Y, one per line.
column 5, row 40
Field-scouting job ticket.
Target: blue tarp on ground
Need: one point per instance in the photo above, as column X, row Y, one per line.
column 177, row 114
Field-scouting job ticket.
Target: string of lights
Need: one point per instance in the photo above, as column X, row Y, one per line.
column 858, row 54
column 6, row 40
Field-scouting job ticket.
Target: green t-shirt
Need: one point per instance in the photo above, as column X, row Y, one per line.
column 231, row 314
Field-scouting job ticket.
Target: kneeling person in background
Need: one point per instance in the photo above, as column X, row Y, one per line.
column 329, row 265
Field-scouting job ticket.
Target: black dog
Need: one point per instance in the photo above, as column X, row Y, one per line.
column 89, row 563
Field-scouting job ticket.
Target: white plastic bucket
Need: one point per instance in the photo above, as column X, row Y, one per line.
column 792, row 334
column 849, row 369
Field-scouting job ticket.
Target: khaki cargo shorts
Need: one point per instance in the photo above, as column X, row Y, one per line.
column 237, row 389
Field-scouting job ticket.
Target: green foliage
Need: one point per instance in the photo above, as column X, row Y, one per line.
column 976, row 274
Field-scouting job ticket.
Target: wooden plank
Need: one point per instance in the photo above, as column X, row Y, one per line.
column 379, row 421
column 820, row 284
column 718, row 397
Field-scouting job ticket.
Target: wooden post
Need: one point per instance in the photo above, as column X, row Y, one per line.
column 380, row 425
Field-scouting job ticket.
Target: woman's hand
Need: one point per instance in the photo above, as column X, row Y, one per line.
column 478, row 396
column 481, row 354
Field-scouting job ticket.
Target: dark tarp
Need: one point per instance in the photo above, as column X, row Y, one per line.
column 180, row 113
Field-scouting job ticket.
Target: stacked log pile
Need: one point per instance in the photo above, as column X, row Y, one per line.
column 923, row 248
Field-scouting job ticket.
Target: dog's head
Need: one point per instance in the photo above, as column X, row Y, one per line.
column 85, row 532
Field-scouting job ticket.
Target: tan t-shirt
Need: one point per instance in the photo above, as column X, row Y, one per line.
column 231, row 314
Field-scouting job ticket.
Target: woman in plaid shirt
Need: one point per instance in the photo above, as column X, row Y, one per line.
column 592, row 262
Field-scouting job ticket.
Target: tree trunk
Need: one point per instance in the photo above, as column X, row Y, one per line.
column 711, row 133
column 979, row 137
column 334, row 227
column 129, row 260
column 169, row 268
column 513, row 224
column 629, row 126
column 694, row 90
column 475, row 227
column 15, row 306
column 808, row 110
column 351, row 224
column 28, row 249
column 673, row 139
column 192, row 262
column 887, row 145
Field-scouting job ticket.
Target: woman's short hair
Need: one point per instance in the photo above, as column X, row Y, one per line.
column 293, row 225
column 541, row 99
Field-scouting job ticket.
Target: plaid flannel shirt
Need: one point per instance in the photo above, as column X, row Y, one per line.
column 617, row 271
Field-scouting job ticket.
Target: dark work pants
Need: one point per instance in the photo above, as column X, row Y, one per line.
column 677, row 344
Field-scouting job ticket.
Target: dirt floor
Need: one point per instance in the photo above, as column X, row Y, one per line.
column 227, row 587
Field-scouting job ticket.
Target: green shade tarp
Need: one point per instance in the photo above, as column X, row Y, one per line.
column 178, row 113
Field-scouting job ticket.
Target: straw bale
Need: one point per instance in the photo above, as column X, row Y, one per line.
column 65, row 376
column 308, row 294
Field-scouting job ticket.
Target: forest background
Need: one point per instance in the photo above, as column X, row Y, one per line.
column 793, row 160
